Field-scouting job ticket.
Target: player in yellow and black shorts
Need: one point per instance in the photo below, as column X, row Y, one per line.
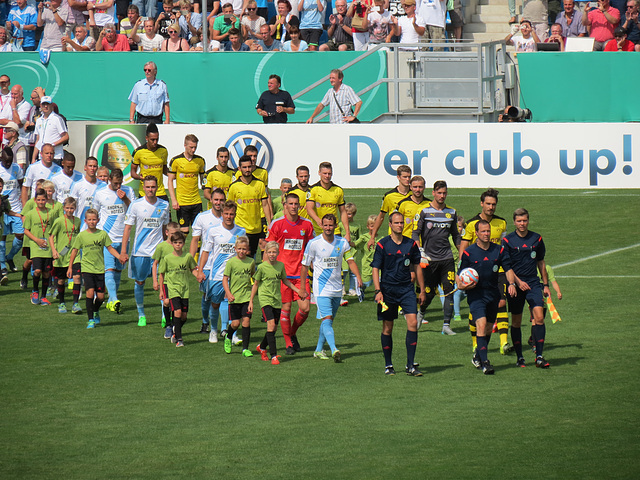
column 391, row 199
column 488, row 203
column 220, row 176
column 187, row 170
column 250, row 195
column 150, row 159
column 327, row 197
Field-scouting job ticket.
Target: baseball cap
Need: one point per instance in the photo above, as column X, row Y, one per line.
column 46, row 99
column 12, row 126
column 619, row 31
column 409, row 2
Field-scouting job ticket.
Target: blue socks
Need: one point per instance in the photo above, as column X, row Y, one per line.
column 3, row 258
column 204, row 308
column 138, row 292
column 110, row 283
column 224, row 315
column 387, row 348
column 214, row 313
column 326, row 331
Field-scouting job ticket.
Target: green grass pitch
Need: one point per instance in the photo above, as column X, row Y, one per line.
column 121, row 402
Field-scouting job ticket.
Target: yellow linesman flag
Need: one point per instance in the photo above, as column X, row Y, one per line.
column 555, row 316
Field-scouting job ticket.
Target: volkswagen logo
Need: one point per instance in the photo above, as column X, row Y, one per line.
column 239, row 141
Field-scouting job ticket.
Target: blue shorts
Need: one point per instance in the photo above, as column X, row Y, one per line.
column 12, row 225
column 110, row 262
column 533, row 297
column 203, row 284
column 327, row 307
column 485, row 305
column 214, row 291
column 397, row 298
column 140, row 268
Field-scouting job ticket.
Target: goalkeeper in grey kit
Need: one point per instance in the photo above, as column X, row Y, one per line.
column 435, row 224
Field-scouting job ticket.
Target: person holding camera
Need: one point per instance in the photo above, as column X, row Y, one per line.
column 602, row 20
column 53, row 18
column 111, row 41
column 223, row 24
column 359, row 11
column 274, row 104
column 341, row 100
column 100, row 14
column 166, row 18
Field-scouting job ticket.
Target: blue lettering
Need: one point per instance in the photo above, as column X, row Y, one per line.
column 417, row 164
column 390, row 165
column 502, row 166
column 473, row 151
column 626, row 154
column 595, row 170
column 448, row 162
column 353, row 155
column 519, row 154
column 564, row 163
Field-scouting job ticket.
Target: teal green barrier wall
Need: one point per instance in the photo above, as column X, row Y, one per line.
column 580, row 86
column 204, row 88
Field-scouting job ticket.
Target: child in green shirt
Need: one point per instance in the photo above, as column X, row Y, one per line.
column 163, row 249
column 174, row 268
column 92, row 243
column 269, row 274
column 37, row 224
column 367, row 254
column 348, row 280
column 63, row 232
column 237, row 288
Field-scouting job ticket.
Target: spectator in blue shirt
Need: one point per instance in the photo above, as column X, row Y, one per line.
column 311, row 21
column 22, row 21
column 149, row 98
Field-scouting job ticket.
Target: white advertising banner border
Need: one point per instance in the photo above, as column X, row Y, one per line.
column 513, row 155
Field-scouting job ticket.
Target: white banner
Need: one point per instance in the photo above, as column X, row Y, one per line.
column 504, row 155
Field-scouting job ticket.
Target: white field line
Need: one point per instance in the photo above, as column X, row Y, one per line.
column 597, row 276
column 609, row 252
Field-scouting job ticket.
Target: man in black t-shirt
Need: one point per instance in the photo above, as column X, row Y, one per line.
column 274, row 104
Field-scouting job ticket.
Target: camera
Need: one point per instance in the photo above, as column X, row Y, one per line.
column 518, row 114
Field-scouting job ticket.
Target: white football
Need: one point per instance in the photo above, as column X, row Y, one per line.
column 468, row 276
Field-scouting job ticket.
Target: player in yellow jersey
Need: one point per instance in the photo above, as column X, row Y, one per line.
column 411, row 206
column 327, row 197
column 187, row 170
column 391, row 199
column 250, row 195
column 302, row 190
column 220, row 176
column 150, row 159
column 488, row 203
column 261, row 174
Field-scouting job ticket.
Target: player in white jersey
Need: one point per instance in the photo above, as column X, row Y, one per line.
column 66, row 178
column 112, row 203
column 218, row 247
column 150, row 215
column 12, row 175
column 42, row 169
column 201, row 225
column 84, row 190
column 325, row 253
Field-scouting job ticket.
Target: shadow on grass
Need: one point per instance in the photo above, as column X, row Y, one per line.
column 439, row 368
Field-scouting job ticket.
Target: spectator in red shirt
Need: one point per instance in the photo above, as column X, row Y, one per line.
column 110, row 41
column 602, row 21
column 620, row 42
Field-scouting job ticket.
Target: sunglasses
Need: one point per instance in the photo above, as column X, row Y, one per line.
column 148, row 70
column 172, row 31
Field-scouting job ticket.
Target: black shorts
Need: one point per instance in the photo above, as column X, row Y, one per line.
column 186, row 214
column 254, row 240
column 311, row 35
column 61, row 272
column 43, row 264
column 177, row 303
column 394, row 299
column 334, row 46
column 121, row 8
column 269, row 313
column 238, row 311
column 533, row 297
column 26, row 251
column 441, row 272
column 93, row 281
column 164, row 197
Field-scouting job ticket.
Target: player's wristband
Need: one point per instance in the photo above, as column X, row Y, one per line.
column 512, row 284
column 546, row 285
column 375, row 292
